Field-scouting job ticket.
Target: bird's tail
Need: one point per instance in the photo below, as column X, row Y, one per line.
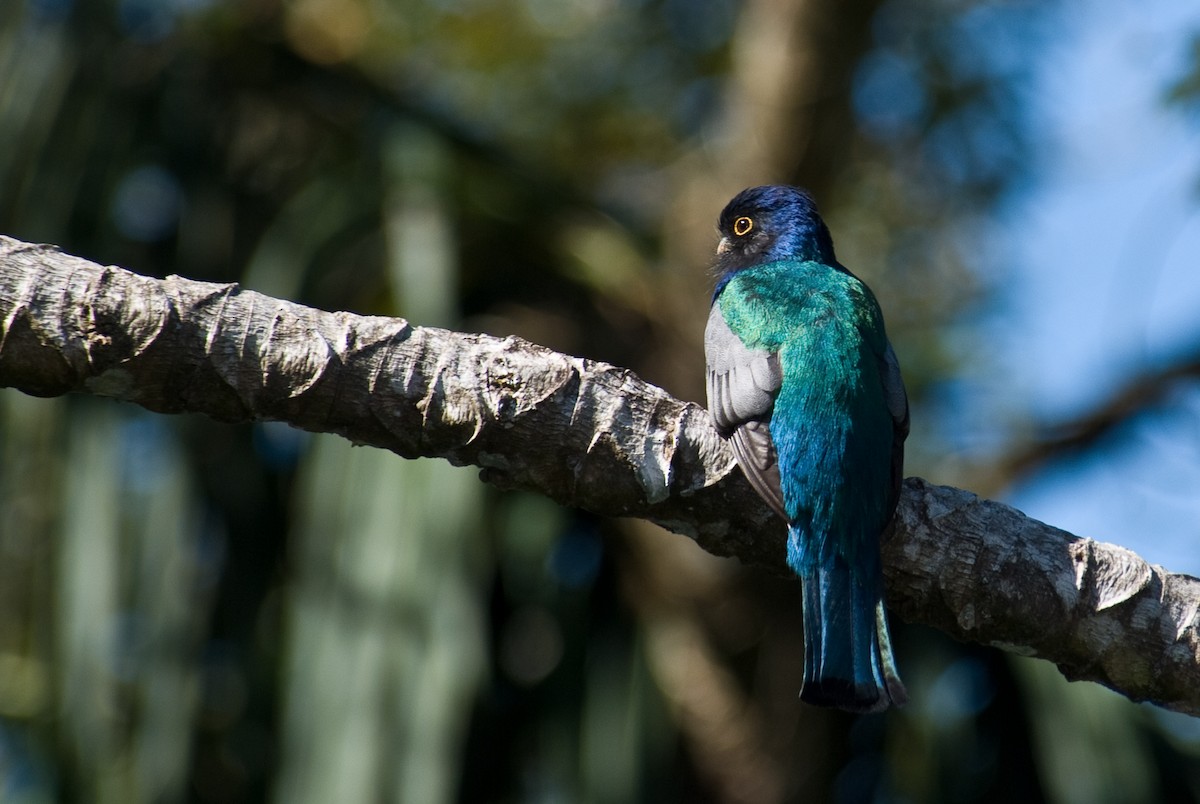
column 848, row 661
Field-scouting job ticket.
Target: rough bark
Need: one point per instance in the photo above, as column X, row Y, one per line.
column 586, row 434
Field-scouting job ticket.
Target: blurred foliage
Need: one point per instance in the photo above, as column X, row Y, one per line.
column 193, row 611
column 1186, row 90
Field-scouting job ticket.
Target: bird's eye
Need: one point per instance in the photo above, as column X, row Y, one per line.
column 742, row 226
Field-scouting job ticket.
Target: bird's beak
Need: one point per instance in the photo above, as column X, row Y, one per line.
column 723, row 246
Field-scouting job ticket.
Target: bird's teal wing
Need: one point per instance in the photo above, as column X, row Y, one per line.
column 893, row 388
column 742, row 385
column 897, row 403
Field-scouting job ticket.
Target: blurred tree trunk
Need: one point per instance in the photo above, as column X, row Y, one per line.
column 386, row 627
column 128, row 685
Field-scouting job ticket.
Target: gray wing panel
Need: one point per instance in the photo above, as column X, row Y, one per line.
column 756, row 455
column 742, row 384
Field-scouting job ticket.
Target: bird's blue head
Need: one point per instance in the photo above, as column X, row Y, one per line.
column 766, row 224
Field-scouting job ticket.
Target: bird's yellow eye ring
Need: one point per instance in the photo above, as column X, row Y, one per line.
column 742, row 226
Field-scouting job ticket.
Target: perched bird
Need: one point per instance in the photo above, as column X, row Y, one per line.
column 803, row 382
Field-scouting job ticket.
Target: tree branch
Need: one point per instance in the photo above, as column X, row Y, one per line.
column 586, row 434
column 1140, row 394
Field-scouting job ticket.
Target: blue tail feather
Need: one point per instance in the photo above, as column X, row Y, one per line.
column 848, row 661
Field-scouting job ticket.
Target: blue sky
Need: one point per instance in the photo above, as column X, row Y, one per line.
column 1106, row 275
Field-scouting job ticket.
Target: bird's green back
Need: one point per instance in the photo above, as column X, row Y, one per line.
column 830, row 422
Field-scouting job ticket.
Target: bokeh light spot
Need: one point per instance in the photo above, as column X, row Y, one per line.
column 147, row 204
column 531, row 645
